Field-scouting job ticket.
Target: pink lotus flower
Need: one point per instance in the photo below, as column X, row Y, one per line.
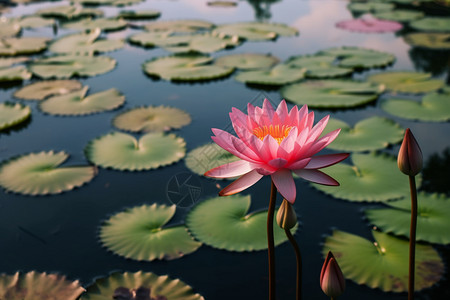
column 276, row 143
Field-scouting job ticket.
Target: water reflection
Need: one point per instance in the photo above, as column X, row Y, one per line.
column 262, row 9
column 436, row 62
column 435, row 173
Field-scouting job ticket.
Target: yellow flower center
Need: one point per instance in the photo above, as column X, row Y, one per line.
column 278, row 132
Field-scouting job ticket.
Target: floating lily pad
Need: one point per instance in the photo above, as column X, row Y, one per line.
column 108, row 2
column 383, row 264
column 399, row 15
column 429, row 40
column 224, row 223
column 158, row 38
column 179, row 26
column 247, row 61
column 222, row 3
column 122, row 151
column 66, row 66
column 207, row 157
column 9, row 30
column 22, row 46
column 9, row 61
column 434, row 107
column 163, row 286
column 90, row 43
column 139, row 14
column 77, row 103
column 319, row 66
column 372, row 177
column 12, row 114
column 279, row 75
column 433, row 24
column 69, row 12
column 139, row 233
column 17, row 73
column 40, row 174
column 369, row 134
column 152, row 118
column 370, row 25
column 185, row 68
column 32, row 21
column 407, row 82
column 43, row 89
column 370, row 7
column 331, row 93
column 433, row 218
column 355, row 57
column 105, row 24
column 256, row 31
column 38, row 286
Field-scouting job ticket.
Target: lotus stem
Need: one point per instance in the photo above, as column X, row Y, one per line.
column 270, row 241
column 298, row 256
column 412, row 237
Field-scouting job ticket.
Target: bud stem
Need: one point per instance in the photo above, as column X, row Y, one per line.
column 412, row 237
column 299, row 263
column 270, row 241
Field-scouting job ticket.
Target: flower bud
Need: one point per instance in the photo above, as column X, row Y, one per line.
column 332, row 280
column 286, row 217
column 410, row 159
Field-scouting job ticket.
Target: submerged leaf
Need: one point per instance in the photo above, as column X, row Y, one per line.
column 12, row 114
column 407, row 82
column 43, row 89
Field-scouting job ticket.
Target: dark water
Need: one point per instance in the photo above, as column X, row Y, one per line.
column 60, row 233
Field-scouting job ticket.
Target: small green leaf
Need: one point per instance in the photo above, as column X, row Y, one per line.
column 407, row 82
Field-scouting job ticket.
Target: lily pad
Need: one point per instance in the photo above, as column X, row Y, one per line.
column 152, row 118
column 222, row 3
column 17, row 73
column 22, row 46
column 43, row 89
column 78, row 104
column 66, row 66
column 279, row 75
column 256, row 31
column 434, row 107
column 32, row 21
column 163, row 286
column 179, row 26
column 383, row 264
column 9, row 30
column 185, row 68
column 206, row 157
column 319, row 66
column 38, row 286
column 429, row 40
column 105, row 24
column 247, row 61
column 331, row 93
column 9, row 61
column 139, row 233
column 139, row 14
column 370, row 7
column 433, row 218
column 40, row 174
column 433, row 24
column 69, row 12
column 224, row 223
column 369, row 134
column 12, row 114
column 108, row 2
column 399, row 15
column 372, row 177
column 122, row 151
column 407, row 82
column 370, row 25
column 87, row 42
column 361, row 58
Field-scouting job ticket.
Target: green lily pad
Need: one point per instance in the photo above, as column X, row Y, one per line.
column 255, row 31
column 331, row 93
column 279, row 75
column 69, row 12
column 429, row 40
column 122, row 151
column 434, row 107
column 224, row 223
column 185, row 68
column 22, row 46
column 370, row 7
column 139, row 14
column 247, row 61
column 222, row 3
column 78, row 104
column 12, row 114
column 164, row 286
column 87, row 42
column 369, row 134
column 152, row 118
column 355, row 57
column 38, row 286
column 105, row 24
column 9, row 61
column 399, row 15
column 433, row 24
column 9, row 30
column 433, row 218
column 139, row 233
column 66, row 66
column 158, row 38
column 319, row 66
column 179, row 26
column 32, row 21
column 40, row 174
column 108, row 2
column 383, row 264
column 372, row 177
column 207, row 157
column 17, row 73
column 407, row 82
column 43, row 89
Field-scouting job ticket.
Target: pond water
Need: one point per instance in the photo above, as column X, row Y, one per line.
column 60, row 232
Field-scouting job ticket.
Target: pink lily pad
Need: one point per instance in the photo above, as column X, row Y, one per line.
column 369, row 24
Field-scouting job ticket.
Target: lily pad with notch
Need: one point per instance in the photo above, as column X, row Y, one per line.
column 12, row 114
column 247, row 61
column 407, row 82
column 43, row 89
column 255, row 31
column 319, row 66
column 280, row 74
column 359, row 58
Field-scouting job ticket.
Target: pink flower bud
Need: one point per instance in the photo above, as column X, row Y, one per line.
column 286, row 217
column 410, row 159
column 332, row 280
